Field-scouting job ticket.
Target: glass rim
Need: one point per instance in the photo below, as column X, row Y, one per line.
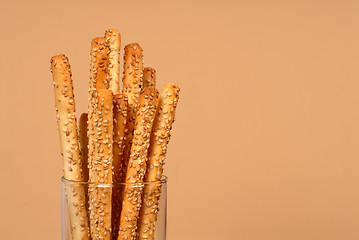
column 163, row 180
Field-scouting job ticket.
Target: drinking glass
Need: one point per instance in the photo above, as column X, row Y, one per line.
column 150, row 192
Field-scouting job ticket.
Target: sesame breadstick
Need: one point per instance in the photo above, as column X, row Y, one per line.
column 101, row 165
column 149, row 77
column 132, row 74
column 160, row 137
column 113, row 38
column 90, row 153
column 99, row 64
column 83, row 145
column 67, row 126
column 98, row 80
column 137, row 164
column 132, row 83
column 120, row 119
column 84, row 150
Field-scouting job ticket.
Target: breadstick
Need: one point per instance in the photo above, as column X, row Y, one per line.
column 149, row 77
column 137, row 164
column 120, row 113
column 120, row 119
column 83, row 145
column 67, row 126
column 99, row 64
column 98, row 80
column 132, row 75
column 101, row 165
column 132, row 82
column 113, row 38
column 160, row 137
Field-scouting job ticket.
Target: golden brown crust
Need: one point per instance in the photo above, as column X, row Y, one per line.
column 67, row 126
column 120, row 113
column 137, row 163
column 149, row 77
column 99, row 64
column 103, row 124
column 120, row 119
column 160, row 137
column 133, row 70
column 90, row 136
column 132, row 82
column 113, row 39
column 98, row 80
column 83, row 145
column 101, row 164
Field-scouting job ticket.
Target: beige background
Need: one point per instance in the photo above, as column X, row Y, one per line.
column 266, row 143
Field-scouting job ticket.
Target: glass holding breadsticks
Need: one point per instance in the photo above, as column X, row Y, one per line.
column 113, row 187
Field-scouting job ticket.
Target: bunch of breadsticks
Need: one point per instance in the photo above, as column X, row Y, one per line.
column 122, row 139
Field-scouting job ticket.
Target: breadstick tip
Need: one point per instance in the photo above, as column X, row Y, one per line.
column 135, row 46
column 149, row 69
column 59, row 59
column 99, row 40
column 171, row 85
column 112, row 31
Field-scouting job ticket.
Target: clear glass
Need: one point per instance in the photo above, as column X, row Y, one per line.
column 150, row 193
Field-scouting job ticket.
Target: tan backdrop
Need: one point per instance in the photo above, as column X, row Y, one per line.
column 266, row 143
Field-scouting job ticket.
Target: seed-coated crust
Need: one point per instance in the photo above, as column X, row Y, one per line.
column 90, row 135
column 120, row 119
column 133, row 70
column 113, row 39
column 67, row 126
column 149, row 77
column 132, row 82
column 83, row 145
column 160, row 137
column 137, row 164
column 98, row 80
column 99, row 64
column 101, row 165
column 120, row 113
